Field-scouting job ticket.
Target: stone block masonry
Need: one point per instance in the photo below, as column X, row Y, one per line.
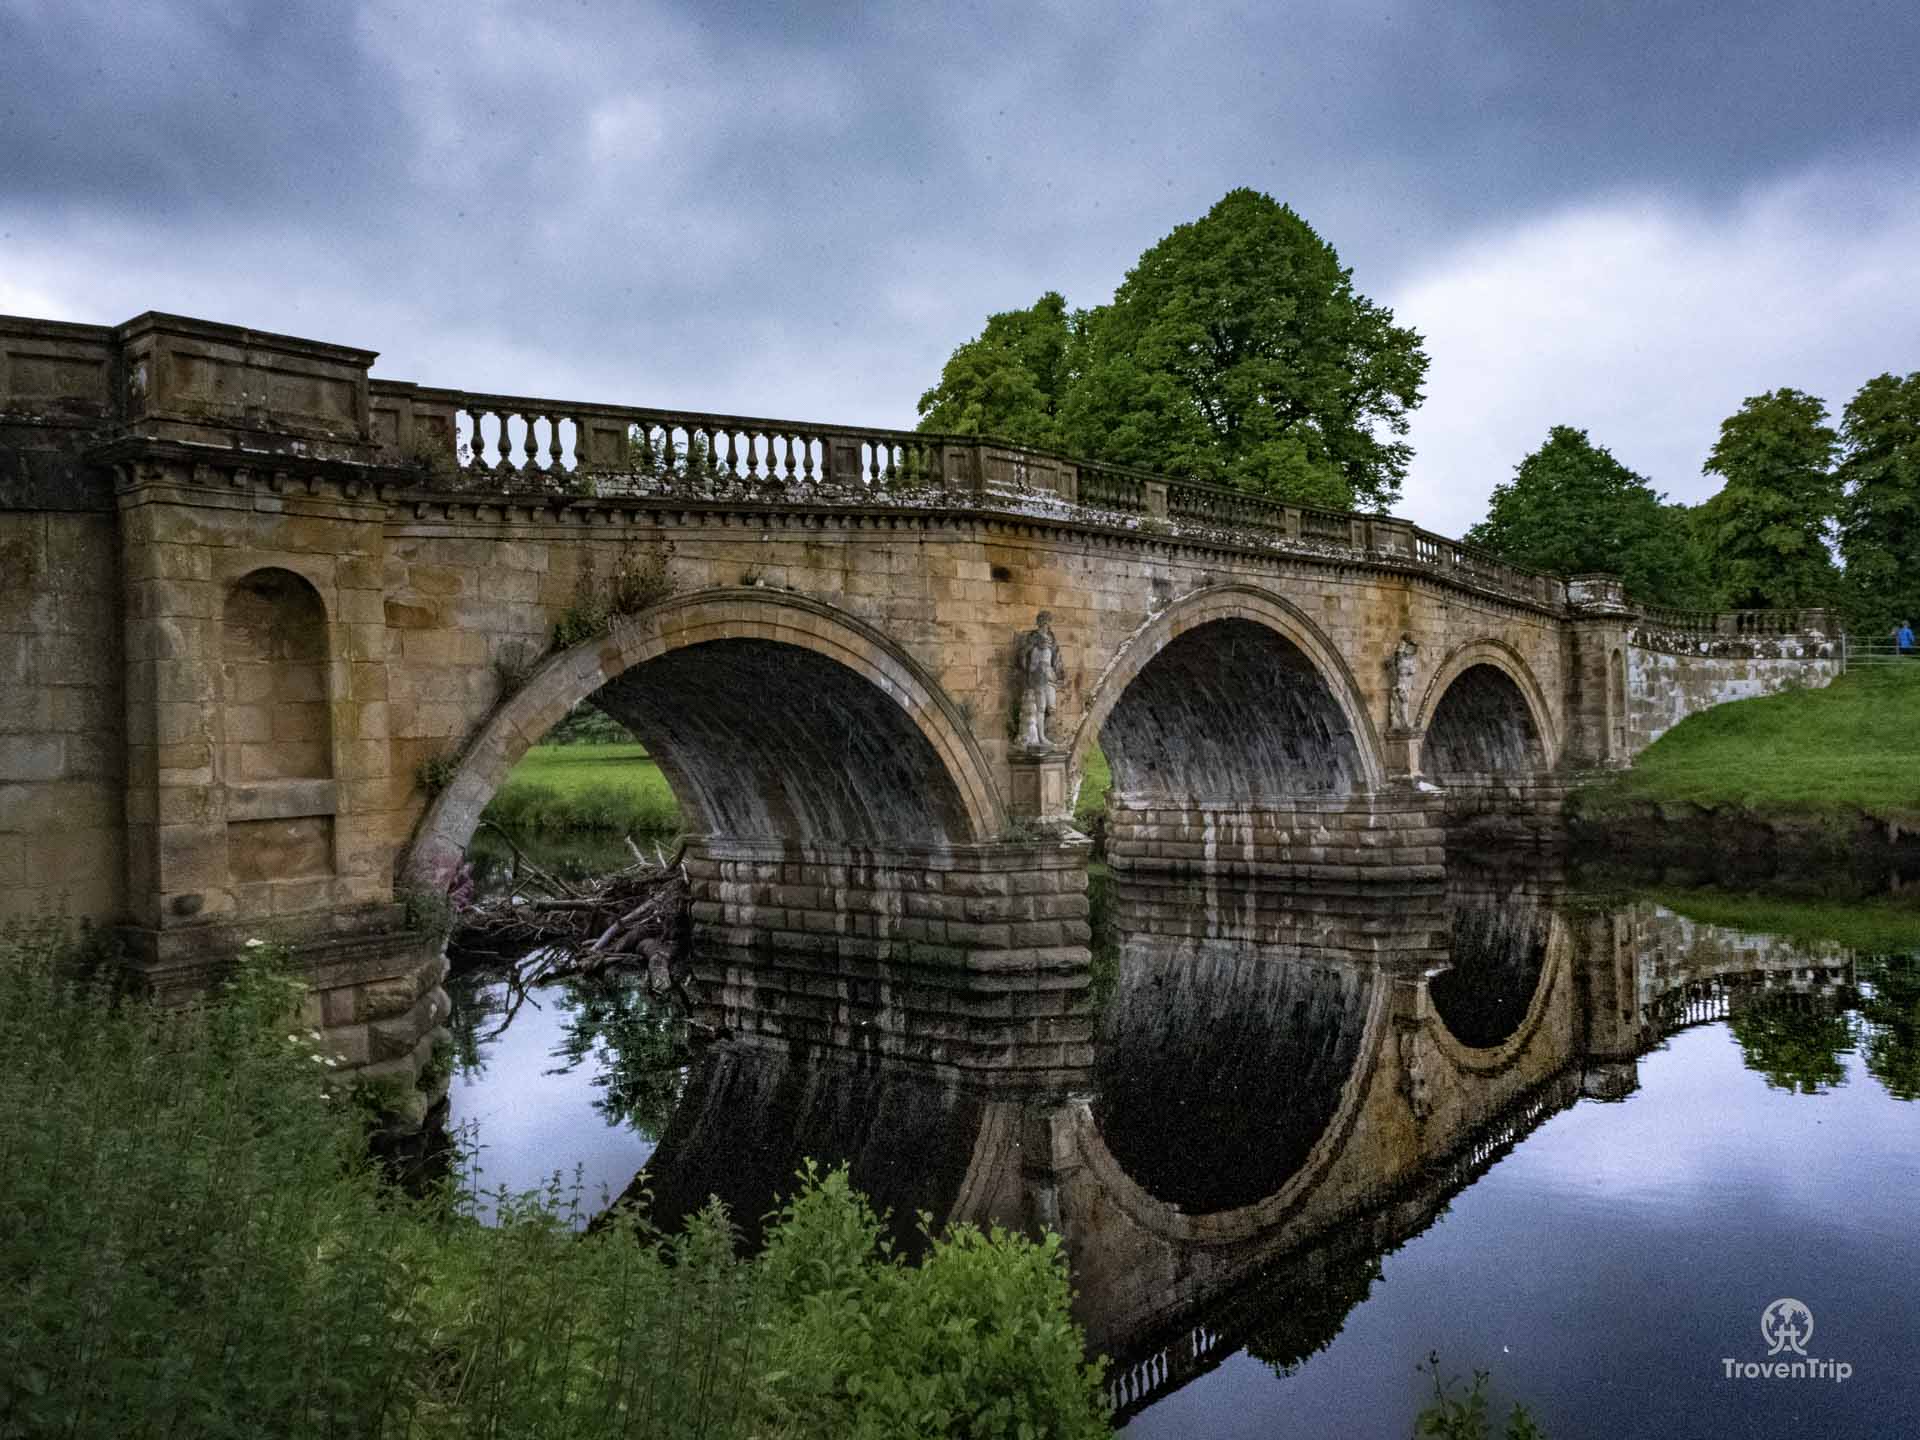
column 967, row 961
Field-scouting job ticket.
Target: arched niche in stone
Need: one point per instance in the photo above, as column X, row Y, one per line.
column 275, row 743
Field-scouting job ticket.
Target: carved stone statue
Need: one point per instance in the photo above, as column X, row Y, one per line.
column 1406, row 659
column 1041, row 669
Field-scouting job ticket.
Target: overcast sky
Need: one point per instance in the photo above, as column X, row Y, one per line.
column 1624, row 216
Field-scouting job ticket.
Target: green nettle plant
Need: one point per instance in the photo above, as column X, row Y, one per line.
column 194, row 1242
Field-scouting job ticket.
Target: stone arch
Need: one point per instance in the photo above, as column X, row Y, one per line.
column 1484, row 713
column 774, row 716
column 275, row 723
column 1167, row 682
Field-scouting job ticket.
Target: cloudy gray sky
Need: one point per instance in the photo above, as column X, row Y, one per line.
column 1624, row 216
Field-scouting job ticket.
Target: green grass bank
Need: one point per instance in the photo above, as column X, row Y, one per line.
column 585, row 790
column 1851, row 748
column 1816, row 791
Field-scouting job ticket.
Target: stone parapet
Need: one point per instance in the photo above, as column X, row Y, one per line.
column 1389, row 835
column 969, row 960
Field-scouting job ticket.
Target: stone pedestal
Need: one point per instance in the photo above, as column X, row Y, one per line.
column 1038, row 786
column 1402, row 753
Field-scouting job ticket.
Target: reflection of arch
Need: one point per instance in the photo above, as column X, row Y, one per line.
column 1488, row 700
column 274, row 719
column 1221, row 1068
column 1289, row 662
column 776, row 715
column 1520, row 1024
column 1170, row 1222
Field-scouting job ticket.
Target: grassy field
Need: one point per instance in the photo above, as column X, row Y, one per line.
column 585, row 789
column 1852, row 747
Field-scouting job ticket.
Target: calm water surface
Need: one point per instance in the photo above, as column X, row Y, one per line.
column 1580, row 1144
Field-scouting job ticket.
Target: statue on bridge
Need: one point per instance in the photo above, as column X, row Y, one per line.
column 1400, row 670
column 1041, row 670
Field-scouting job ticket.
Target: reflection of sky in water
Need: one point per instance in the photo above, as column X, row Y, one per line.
column 1603, row 1269
column 532, row 1121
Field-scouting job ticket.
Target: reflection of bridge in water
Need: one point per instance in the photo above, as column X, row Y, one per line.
column 1286, row 1087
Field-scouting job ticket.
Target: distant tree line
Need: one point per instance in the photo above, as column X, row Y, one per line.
column 1237, row 351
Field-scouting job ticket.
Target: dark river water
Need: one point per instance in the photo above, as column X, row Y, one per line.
column 1581, row 1142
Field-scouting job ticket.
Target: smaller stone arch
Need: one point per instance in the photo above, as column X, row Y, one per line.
column 1538, row 733
column 1240, row 605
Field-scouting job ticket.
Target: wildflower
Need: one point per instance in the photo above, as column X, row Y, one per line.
column 317, row 1059
column 325, row 1096
column 255, row 944
column 293, row 1039
column 333, row 1064
column 313, row 1034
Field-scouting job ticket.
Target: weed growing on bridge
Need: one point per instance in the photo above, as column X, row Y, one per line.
column 193, row 1242
column 641, row 578
column 436, row 772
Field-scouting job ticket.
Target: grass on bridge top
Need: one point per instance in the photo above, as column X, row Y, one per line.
column 1853, row 746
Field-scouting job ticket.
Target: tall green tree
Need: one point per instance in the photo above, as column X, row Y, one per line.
column 1008, row 380
column 1767, row 532
column 1880, row 511
column 1237, row 351
column 1572, row 508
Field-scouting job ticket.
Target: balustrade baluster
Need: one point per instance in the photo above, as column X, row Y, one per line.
column 480, row 460
column 785, row 472
column 555, row 458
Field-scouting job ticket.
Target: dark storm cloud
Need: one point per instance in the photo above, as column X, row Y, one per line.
column 804, row 207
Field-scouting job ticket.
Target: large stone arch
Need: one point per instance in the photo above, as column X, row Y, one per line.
column 1234, row 606
column 835, row 659
column 1520, row 1016
column 1506, row 664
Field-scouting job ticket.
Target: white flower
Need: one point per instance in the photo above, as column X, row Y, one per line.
column 314, row 1034
column 316, row 1060
column 255, row 944
column 325, row 1096
column 333, row 1064
column 293, row 1039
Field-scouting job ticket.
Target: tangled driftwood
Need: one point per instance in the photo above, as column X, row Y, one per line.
column 636, row 917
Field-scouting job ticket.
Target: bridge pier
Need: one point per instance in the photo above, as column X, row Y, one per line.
column 964, row 960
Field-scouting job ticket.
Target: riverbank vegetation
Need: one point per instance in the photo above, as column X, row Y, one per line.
column 1850, row 749
column 194, row 1242
column 603, row 789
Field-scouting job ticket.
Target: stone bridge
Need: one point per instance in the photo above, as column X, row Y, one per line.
column 272, row 632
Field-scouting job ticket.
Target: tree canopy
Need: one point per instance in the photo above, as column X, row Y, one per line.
column 1766, row 533
column 1008, row 380
column 1572, row 508
column 1236, row 350
column 1880, row 511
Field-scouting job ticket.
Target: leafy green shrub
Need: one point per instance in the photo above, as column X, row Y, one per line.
column 1456, row 1415
column 193, row 1242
